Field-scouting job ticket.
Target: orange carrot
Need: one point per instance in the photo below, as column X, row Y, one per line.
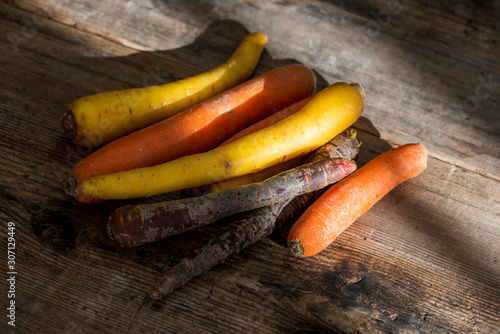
column 270, row 120
column 201, row 127
column 326, row 115
column 265, row 173
column 350, row 198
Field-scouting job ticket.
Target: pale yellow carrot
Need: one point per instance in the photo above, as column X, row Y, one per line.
column 97, row 119
column 327, row 114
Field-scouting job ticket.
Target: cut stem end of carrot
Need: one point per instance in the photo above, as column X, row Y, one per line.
column 296, row 247
column 68, row 125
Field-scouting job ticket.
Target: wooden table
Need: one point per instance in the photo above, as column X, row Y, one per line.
column 425, row 259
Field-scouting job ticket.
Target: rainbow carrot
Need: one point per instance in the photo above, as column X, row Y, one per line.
column 95, row 120
column 350, row 198
column 326, row 115
column 202, row 127
column 270, row 120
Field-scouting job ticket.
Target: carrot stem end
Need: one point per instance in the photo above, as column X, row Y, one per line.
column 68, row 125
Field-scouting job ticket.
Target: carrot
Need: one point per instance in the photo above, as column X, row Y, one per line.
column 344, row 141
column 327, row 114
column 132, row 225
column 249, row 227
column 97, row 119
column 255, row 177
column 263, row 174
column 268, row 121
column 350, row 198
column 201, row 127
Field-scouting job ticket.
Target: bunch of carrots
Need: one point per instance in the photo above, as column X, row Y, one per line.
column 259, row 150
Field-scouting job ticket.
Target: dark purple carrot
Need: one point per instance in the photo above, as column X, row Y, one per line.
column 249, row 227
column 134, row 225
column 139, row 224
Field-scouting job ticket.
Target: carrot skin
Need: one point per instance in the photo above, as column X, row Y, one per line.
column 94, row 120
column 255, row 177
column 270, row 120
column 201, row 127
column 250, row 227
column 344, row 146
column 266, row 173
column 133, row 225
column 350, row 198
column 327, row 114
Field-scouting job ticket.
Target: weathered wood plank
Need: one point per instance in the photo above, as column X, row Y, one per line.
column 430, row 68
column 424, row 260
column 384, row 272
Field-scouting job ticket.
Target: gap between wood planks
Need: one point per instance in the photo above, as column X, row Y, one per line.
column 57, row 15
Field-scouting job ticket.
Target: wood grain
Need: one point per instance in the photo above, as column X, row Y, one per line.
column 434, row 66
column 425, row 259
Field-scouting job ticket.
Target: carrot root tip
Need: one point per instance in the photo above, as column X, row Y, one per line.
column 155, row 294
column 68, row 125
column 71, row 186
column 296, row 247
column 360, row 89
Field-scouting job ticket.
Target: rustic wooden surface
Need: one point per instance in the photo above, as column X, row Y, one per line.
column 425, row 259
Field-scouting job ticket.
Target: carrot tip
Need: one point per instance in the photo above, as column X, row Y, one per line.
column 262, row 37
column 360, row 89
column 68, row 125
column 71, row 186
column 296, row 247
column 155, row 294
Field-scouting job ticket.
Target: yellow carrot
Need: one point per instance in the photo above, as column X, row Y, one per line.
column 268, row 172
column 259, row 176
column 97, row 119
column 344, row 145
column 327, row 114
